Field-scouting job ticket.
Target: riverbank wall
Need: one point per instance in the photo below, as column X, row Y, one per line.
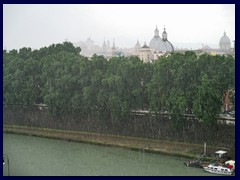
column 178, row 149
column 150, row 126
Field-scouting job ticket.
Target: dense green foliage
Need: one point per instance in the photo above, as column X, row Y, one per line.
column 66, row 81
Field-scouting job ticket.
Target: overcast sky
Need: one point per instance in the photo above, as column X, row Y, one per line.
column 37, row 26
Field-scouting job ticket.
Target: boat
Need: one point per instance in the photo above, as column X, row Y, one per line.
column 225, row 169
column 220, row 157
column 199, row 163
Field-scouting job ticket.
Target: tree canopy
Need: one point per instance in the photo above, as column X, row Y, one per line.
column 66, row 81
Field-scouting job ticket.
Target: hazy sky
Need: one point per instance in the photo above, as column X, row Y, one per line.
column 37, row 26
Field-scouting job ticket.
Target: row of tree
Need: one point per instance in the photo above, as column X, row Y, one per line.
column 68, row 82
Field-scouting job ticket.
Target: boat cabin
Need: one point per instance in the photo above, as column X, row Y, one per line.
column 221, row 154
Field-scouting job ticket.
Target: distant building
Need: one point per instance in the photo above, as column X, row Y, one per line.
column 146, row 54
column 156, row 41
column 137, row 47
column 161, row 45
column 157, row 47
column 88, row 48
column 224, row 48
column 224, row 43
column 114, row 50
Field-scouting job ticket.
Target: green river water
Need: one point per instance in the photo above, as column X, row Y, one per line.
column 35, row 156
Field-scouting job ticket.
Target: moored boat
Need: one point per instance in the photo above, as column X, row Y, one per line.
column 225, row 169
column 199, row 161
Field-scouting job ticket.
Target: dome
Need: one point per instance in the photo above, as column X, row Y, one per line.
column 165, row 46
column 224, row 42
column 145, row 46
column 155, row 40
column 161, row 45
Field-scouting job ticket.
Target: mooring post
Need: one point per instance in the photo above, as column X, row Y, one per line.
column 205, row 147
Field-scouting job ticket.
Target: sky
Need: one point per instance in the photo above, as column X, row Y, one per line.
column 187, row 25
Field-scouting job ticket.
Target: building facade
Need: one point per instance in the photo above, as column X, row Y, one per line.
column 88, row 48
column 158, row 46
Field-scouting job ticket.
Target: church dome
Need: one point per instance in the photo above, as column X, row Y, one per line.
column 154, row 43
column 165, row 46
column 224, row 42
column 155, row 40
column 161, row 45
column 145, row 46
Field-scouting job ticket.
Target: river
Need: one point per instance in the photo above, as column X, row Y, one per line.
column 35, row 156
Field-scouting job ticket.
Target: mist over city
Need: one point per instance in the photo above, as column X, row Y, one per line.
column 188, row 25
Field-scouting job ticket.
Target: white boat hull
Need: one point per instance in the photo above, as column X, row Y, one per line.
column 218, row 170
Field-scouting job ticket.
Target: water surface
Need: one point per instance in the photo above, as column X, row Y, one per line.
column 35, row 156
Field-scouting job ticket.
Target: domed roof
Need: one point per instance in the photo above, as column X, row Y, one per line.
column 155, row 40
column 145, row 46
column 165, row 46
column 224, row 42
column 161, row 45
